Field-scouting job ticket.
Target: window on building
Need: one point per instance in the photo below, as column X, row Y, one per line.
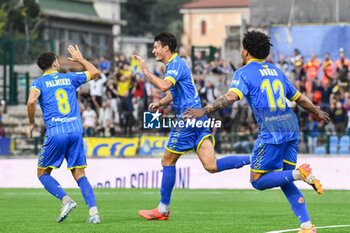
column 203, row 28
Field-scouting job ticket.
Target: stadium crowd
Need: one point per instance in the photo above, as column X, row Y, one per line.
column 116, row 101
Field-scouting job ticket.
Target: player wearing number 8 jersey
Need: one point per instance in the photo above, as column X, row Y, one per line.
column 56, row 93
column 275, row 154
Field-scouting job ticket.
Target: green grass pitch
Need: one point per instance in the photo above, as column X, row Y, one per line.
column 238, row 211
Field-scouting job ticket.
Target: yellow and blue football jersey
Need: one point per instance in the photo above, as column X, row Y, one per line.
column 58, row 101
column 184, row 91
column 185, row 95
column 266, row 88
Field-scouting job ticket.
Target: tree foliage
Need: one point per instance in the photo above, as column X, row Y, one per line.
column 24, row 19
column 152, row 16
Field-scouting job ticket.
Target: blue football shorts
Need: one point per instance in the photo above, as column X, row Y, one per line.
column 58, row 147
column 271, row 157
column 185, row 139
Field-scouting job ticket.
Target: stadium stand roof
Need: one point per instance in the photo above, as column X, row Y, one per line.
column 74, row 9
column 216, row 4
column 78, row 7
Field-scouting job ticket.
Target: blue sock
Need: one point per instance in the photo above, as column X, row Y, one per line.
column 52, row 186
column 293, row 195
column 297, row 201
column 87, row 191
column 168, row 182
column 232, row 161
column 273, row 179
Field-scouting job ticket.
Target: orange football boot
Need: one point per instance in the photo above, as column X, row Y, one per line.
column 153, row 214
column 309, row 178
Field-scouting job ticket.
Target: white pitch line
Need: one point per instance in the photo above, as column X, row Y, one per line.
column 297, row 229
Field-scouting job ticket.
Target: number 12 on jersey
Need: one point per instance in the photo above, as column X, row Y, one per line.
column 276, row 87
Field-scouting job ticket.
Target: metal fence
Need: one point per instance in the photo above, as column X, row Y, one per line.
column 16, row 58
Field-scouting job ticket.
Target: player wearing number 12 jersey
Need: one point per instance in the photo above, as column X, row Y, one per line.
column 56, row 93
column 275, row 154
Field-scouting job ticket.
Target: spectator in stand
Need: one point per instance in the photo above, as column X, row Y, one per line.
column 326, row 92
column 342, row 69
column 126, row 117
column 299, row 71
column 186, row 58
column 108, row 130
column 244, row 145
column 283, row 65
column 112, row 96
column 339, row 117
column 342, row 61
column 105, row 114
column 312, row 68
column 83, row 94
column 96, row 91
column 148, row 93
column 2, row 130
column 89, row 121
column 2, row 108
column 347, row 107
column 327, row 69
column 139, row 96
column 121, row 61
column 297, row 56
column 104, row 65
column 311, row 130
column 199, row 64
column 209, row 93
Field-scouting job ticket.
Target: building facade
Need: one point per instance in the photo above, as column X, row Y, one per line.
column 210, row 23
column 78, row 22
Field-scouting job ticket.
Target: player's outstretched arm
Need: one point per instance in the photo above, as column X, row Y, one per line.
column 220, row 103
column 162, row 84
column 306, row 104
column 31, row 106
column 78, row 57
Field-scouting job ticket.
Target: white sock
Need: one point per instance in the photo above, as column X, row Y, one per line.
column 66, row 199
column 306, row 225
column 163, row 209
column 296, row 174
column 93, row 211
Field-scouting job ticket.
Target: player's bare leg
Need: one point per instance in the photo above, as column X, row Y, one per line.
column 53, row 187
column 206, row 154
column 162, row 211
column 88, row 194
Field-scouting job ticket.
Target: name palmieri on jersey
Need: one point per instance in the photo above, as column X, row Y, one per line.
column 58, row 82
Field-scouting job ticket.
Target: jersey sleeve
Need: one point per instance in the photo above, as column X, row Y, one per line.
column 291, row 92
column 173, row 73
column 36, row 85
column 238, row 85
column 79, row 78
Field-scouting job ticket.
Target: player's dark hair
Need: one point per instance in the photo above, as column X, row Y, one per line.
column 167, row 38
column 45, row 60
column 257, row 44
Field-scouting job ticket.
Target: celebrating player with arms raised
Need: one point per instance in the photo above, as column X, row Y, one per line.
column 275, row 154
column 56, row 93
column 180, row 88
